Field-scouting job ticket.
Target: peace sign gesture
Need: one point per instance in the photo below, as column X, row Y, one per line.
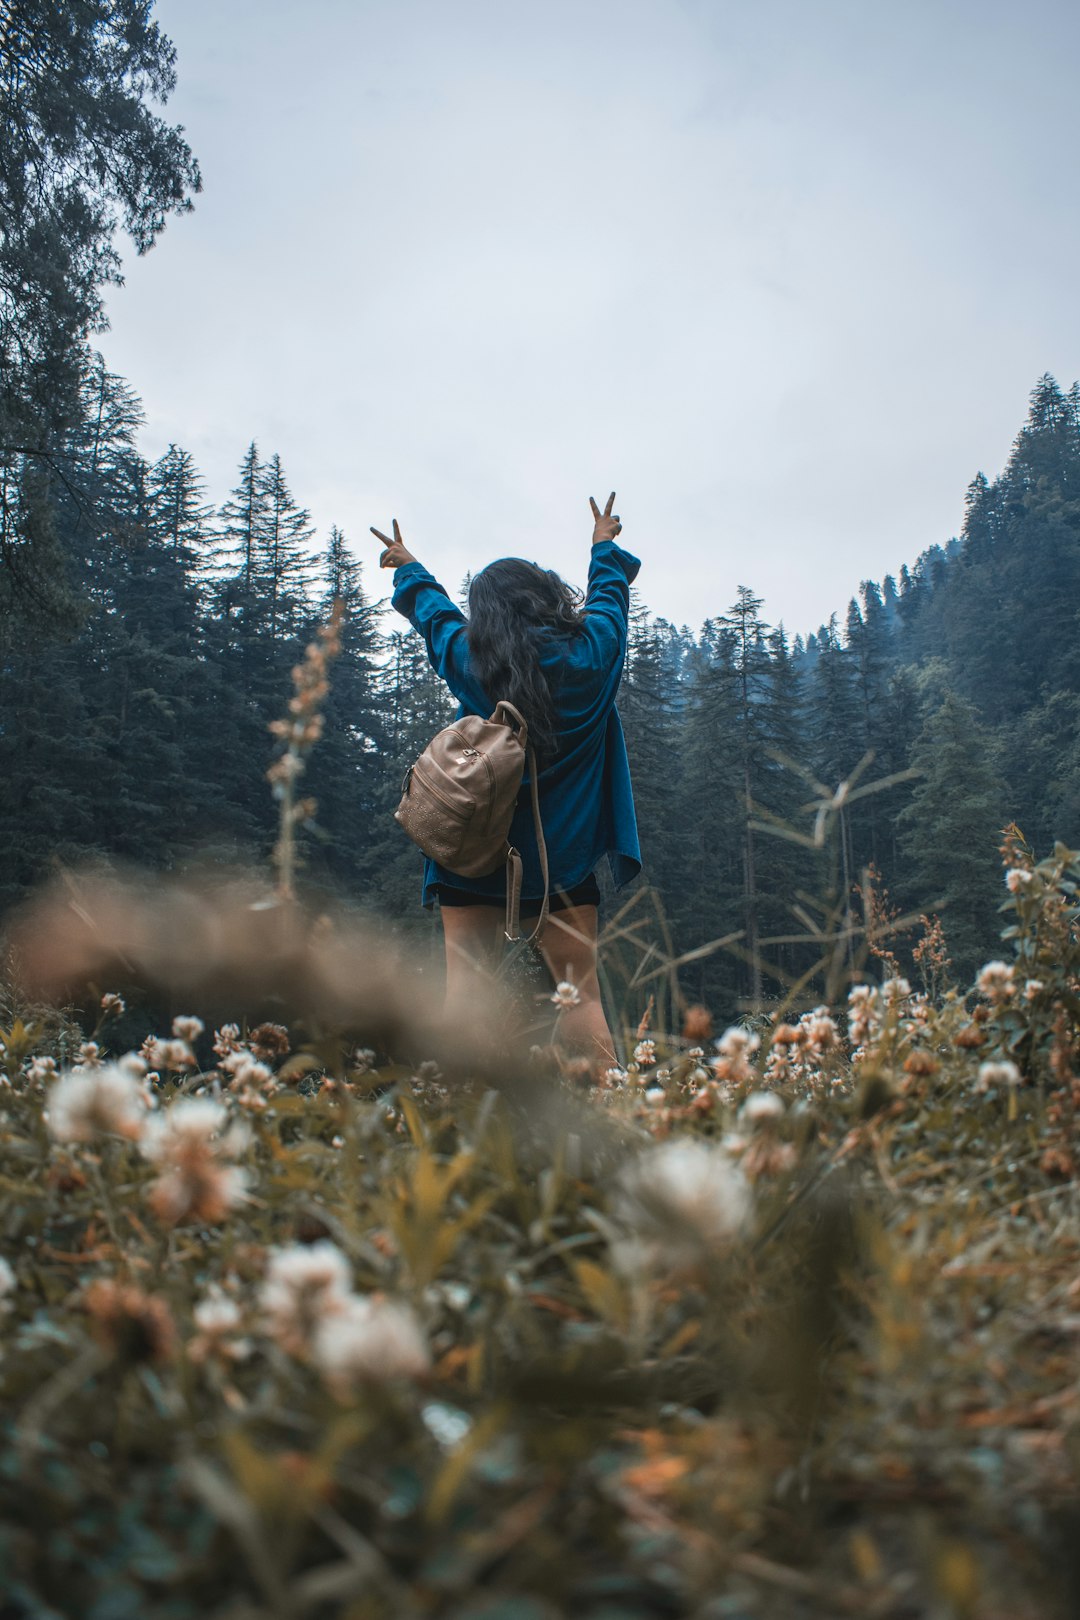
column 605, row 526
column 395, row 553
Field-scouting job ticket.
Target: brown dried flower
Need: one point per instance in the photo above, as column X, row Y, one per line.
column 132, row 1325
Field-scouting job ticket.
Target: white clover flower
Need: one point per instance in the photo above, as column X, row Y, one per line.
column 864, row 1013
column 217, row 1319
column 736, row 1047
column 40, row 1069
column 216, row 1314
column 113, row 1004
column 89, row 1055
column 244, row 1069
column 369, row 1341
column 173, row 1055
column 189, row 1142
column 685, row 1196
column 761, row 1108
column 997, row 981
column 188, row 1120
column 226, row 1039
column 1018, row 878
column 1032, row 988
column 894, row 991
column 1003, row 1073
column 738, row 1042
column 566, row 995
column 645, row 1054
column 614, row 1077
column 820, row 1029
column 106, row 1101
column 304, row 1283
column 187, row 1028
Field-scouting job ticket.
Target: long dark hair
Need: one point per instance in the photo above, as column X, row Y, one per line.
column 513, row 605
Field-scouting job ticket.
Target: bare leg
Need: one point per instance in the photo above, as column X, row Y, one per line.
column 569, row 946
column 471, row 935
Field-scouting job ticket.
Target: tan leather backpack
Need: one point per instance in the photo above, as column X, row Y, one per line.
column 459, row 799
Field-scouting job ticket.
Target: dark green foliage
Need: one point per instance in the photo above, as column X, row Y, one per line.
column 84, row 157
column 951, row 829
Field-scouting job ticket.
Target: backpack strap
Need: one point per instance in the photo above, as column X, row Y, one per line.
column 513, row 869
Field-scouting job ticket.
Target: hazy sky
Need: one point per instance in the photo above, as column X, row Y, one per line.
column 780, row 272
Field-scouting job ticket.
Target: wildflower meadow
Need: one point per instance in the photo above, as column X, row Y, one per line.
column 777, row 1319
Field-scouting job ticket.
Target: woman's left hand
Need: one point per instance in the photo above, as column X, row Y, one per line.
column 395, row 553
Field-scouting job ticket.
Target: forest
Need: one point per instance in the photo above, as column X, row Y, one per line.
column 136, row 715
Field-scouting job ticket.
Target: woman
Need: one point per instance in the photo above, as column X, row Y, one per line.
column 529, row 639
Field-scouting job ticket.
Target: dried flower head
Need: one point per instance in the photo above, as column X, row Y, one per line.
column 269, row 1041
column 105, row 1101
column 112, row 1005
column 40, row 1069
column 369, row 1341
column 697, row 1023
column 645, row 1054
column 132, row 1325
column 566, row 995
column 187, row 1027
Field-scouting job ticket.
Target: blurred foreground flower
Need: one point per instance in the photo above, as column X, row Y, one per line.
column 218, row 1319
column 369, row 1341
column 686, row 1198
column 189, row 1141
column 305, row 1283
column 104, row 1101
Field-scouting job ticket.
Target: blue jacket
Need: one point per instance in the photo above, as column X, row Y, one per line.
column 586, row 801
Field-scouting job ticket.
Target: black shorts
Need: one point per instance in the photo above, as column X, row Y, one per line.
column 582, row 894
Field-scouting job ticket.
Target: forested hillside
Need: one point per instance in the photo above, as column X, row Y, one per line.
column 134, row 722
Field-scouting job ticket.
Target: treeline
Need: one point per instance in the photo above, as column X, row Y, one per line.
column 948, row 700
column 141, row 732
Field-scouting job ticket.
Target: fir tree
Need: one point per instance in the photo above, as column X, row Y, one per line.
column 950, row 830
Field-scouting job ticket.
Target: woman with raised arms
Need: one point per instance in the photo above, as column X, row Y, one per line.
column 531, row 639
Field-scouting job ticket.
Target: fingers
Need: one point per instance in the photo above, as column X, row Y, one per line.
column 397, row 531
column 610, row 504
column 595, row 509
column 380, row 536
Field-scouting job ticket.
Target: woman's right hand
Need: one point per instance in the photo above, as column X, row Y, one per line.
column 395, row 553
column 605, row 527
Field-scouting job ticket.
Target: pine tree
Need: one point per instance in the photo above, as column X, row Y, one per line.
column 950, row 830
column 84, row 156
column 346, row 772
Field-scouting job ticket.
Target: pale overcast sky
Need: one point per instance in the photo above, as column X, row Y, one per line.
column 780, row 272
